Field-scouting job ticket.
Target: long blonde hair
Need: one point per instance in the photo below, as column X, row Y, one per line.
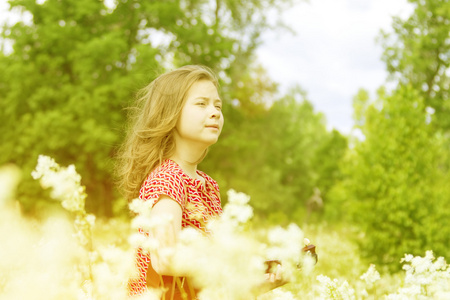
column 149, row 139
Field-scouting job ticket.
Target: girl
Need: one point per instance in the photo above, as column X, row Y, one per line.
column 178, row 116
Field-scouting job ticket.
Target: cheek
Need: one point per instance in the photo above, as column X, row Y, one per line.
column 181, row 123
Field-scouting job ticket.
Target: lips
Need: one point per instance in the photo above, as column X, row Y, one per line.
column 213, row 126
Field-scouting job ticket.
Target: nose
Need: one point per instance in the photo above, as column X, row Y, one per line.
column 215, row 113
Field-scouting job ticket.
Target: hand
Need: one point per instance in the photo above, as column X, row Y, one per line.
column 274, row 277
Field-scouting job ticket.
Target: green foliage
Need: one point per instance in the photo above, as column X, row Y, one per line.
column 329, row 154
column 395, row 186
column 395, row 181
column 417, row 53
column 360, row 103
column 77, row 64
column 278, row 155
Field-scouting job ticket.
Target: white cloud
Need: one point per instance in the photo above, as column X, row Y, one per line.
column 333, row 53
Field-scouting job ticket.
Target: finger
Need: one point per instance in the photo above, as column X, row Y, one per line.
column 272, row 277
column 279, row 272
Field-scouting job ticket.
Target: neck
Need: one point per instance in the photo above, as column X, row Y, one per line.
column 188, row 161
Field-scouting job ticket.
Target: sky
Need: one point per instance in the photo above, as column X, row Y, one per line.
column 333, row 52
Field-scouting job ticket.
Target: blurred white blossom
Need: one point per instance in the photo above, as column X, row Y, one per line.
column 285, row 244
column 230, row 265
column 66, row 186
column 237, row 197
column 9, row 179
column 136, row 240
column 227, row 250
column 146, row 224
column 140, row 206
column 237, row 211
column 371, row 276
column 90, row 218
column 277, row 294
column 425, row 278
column 332, row 289
column 211, row 259
column 65, row 183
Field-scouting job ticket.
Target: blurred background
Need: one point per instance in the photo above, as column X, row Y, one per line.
column 336, row 112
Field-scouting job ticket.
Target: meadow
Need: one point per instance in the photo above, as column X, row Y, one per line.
column 374, row 201
column 70, row 255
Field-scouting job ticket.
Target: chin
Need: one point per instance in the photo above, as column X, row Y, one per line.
column 211, row 142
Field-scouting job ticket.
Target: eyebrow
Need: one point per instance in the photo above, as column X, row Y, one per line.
column 206, row 98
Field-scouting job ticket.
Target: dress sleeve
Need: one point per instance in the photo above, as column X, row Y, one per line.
column 164, row 183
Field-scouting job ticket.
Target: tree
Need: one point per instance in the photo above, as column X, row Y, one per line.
column 77, row 65
column 395, row 185
column 277, row 153
column 417, row 53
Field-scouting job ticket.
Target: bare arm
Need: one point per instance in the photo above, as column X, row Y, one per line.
column 166, row 234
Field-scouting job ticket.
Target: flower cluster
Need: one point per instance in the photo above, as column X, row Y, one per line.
column 285, row 244
column 231, row 256
column 332, row 289
column 144, row 223
column 237, row 211
column 211, row 259
column 277, row 294
column 66, row 186
column 371, row 276
column 229, row 263
column 426, row 278
column 65, row 183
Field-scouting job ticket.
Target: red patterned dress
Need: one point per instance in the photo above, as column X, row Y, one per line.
column 199, row 204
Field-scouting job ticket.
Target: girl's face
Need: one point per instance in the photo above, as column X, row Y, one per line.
column 201, row 119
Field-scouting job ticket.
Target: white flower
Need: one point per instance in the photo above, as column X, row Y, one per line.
column 90, row 218
column 237, row 197
column 44, row 165
column 279, row 294
column 424, row 278
column 371, row 275
column 140, row 206
column 331, row 289
column 147, row 223
column 150, row 244
column 65, row 183
column 228, row 258
column 285, row 244
column 237, row 211
column 136, row 240
column 150, row 294
column 190, row 234
column 440, row 264
column 407, row 258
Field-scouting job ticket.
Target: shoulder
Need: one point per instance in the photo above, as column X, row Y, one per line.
column 167, row 170
column 166, row 179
